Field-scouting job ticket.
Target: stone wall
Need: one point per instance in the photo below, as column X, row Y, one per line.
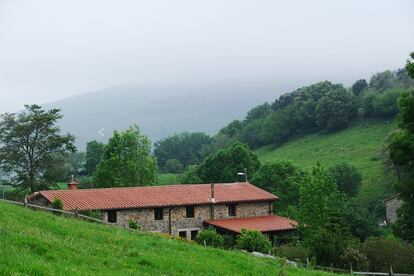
column 179, row 221
column 391, row 207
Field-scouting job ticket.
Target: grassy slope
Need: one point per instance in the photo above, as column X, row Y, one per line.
column 37, row 243
column 359, row 145
column 168, row 178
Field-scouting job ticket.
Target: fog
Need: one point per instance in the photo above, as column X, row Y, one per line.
column 50, row 50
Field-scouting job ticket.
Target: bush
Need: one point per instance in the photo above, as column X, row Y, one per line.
column 253, row 241
column 57, row 203
column 210, row 237
column 352, row 257
column 133, row 224
column 383, row 253
column 292, row 252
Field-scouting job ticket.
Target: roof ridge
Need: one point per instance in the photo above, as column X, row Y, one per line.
column 152, row 186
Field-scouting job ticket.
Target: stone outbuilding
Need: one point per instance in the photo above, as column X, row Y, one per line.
column 181, row 210
column 392, row 204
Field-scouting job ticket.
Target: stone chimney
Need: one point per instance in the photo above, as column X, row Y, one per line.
column 213, row 201
column 73, row 185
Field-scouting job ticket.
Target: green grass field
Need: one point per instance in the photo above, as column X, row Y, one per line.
column 359, row 145
column 38, row 243
column 168, row 179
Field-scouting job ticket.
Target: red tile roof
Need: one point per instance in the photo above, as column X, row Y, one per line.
column 155, row 196
column 270, row 223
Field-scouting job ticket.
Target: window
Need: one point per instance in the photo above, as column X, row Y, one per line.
column 189, row 211
column 182, row 234
column 112, row 216
column 232, row 210
column 194, row 234
column 158, row 213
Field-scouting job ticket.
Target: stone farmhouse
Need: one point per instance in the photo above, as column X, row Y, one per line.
column 181, row 210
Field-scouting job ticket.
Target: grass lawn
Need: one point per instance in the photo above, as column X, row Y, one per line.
column 359, row 145
column 37, row 243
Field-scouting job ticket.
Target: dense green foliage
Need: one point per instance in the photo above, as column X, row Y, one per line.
column 354, row 259
column 126, row 161
column 347, row 178
column 383, row 253
column 410, row 66
column 190, row 175
column 359, row 86
column 401, row 152
column 323, row 106
column 37, row 243
column 224, row 165
column 94, row 152
column 253, row 241
column 321, row 214
column 210, row 237
column 283, row 179
column 178, row 151
column 29, row 141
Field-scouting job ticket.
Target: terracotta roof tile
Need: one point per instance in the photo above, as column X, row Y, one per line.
column 155, row 196
column 263, row 223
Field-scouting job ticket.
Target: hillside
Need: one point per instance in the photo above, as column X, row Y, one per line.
column 159, row 111
column 36, row 243
column 359, row 145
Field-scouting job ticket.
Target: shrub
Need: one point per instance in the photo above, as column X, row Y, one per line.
column 354, row 258
column 292, row 252
column 383, row 253
column 253, row 241
column 133, row 224
column 210, row 237
column 229, row 241
column 57, row 203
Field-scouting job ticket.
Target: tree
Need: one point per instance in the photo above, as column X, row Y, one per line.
column 400, row 145
column 410, row 65
column 190, row 175
column 347, row 178
column 281, row 178
column 224, row 165
column 174, row 165
column 126, row 161
column 359, row 86
column 321, row 213
column 186, row 147
column 383, row 80
column 94, row 151
column 258, row 112
column 28, row 142
column 335, row 109
column 232, row 129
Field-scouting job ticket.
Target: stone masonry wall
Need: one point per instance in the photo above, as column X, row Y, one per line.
column 179, row 221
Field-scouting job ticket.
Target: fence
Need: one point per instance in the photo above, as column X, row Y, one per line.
column 344, row 271
column 75, row 214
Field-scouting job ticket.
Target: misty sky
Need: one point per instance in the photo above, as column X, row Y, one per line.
column 50, row 50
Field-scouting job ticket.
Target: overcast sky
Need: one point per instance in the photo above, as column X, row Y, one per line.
column 50, row 50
